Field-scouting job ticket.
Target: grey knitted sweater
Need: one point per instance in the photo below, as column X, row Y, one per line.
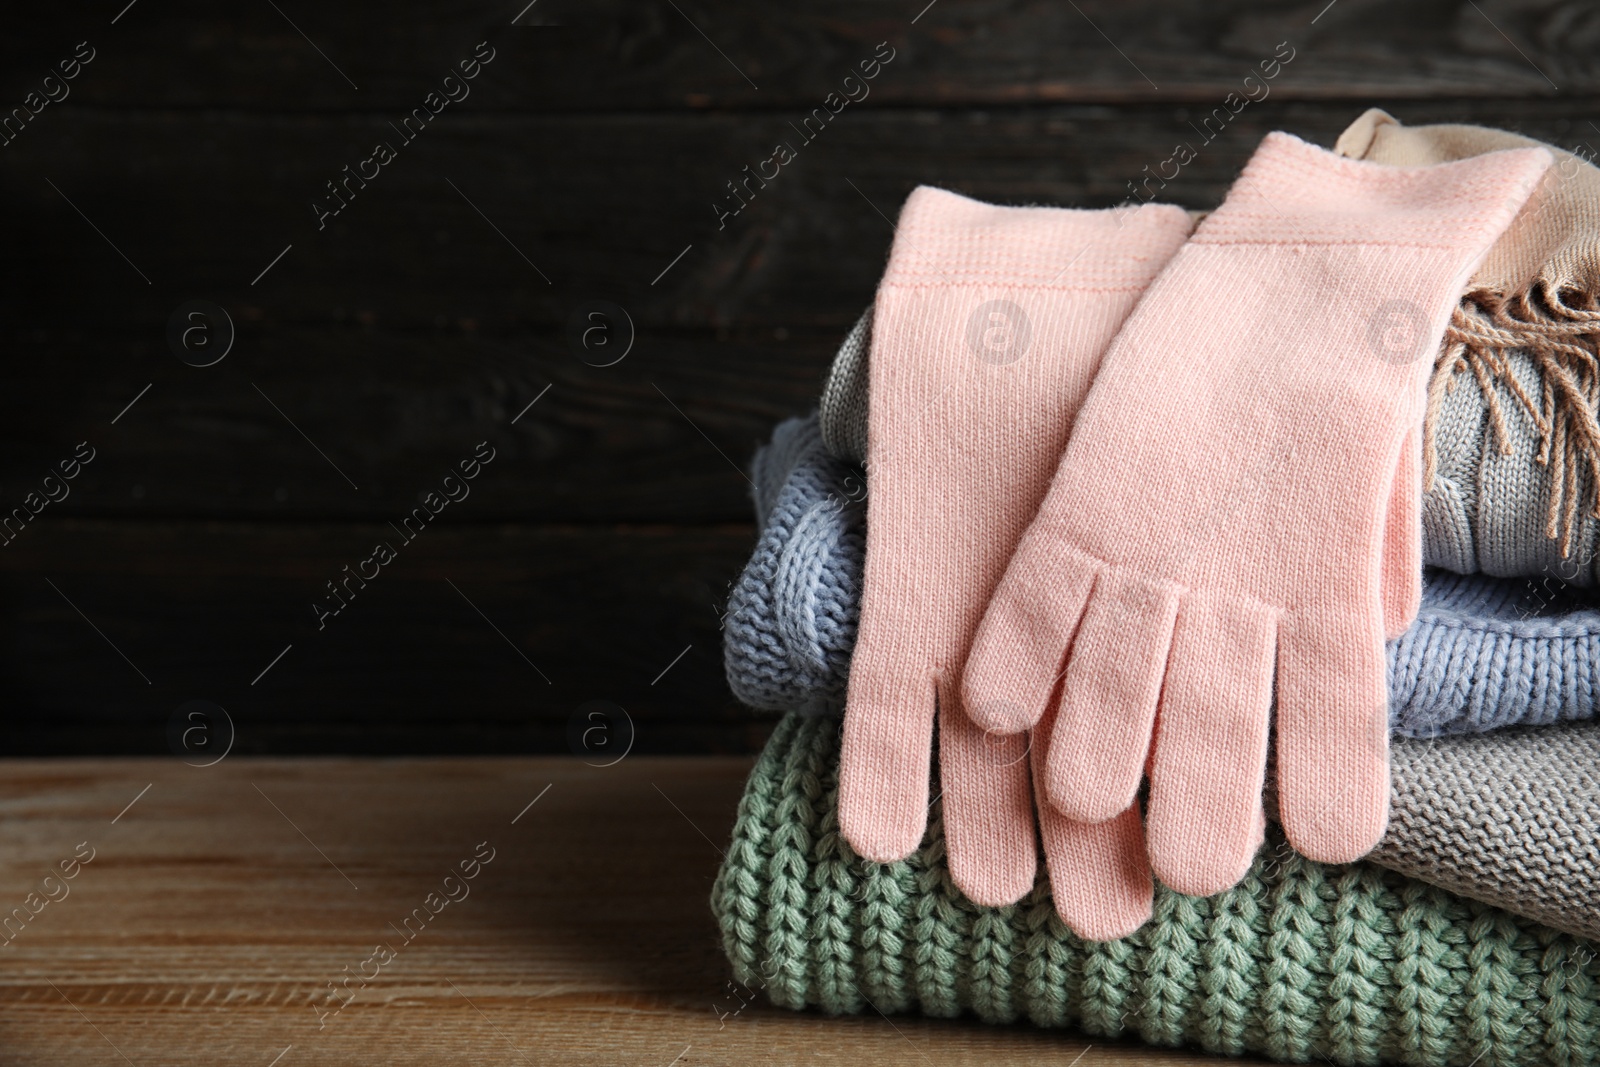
column 1508, row 817
column 1484, row 513
column 1509, row 820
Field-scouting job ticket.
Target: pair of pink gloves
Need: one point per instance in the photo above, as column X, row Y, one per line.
column 1127, row 483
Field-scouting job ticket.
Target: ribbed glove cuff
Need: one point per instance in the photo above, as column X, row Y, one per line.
column 1292, row 192
column 944, row 239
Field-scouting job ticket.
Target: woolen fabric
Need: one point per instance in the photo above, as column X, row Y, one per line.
column 1510, row 820
column 1300, row 962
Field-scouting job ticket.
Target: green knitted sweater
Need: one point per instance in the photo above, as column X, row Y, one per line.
column 1300, row 962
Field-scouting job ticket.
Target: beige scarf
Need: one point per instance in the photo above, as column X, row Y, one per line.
column 1538, row 290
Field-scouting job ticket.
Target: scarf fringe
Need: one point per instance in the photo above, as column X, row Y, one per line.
column 1560, row 331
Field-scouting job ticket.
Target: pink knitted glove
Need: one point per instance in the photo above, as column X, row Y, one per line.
column 1224, row 508
column 1099, row 872
column 989, row 328
column 1402, row 540
column 1100, row 875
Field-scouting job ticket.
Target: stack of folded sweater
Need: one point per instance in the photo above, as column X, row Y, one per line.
column 1458, row 937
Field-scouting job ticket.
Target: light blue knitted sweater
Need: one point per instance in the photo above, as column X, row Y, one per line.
column 1484, row 652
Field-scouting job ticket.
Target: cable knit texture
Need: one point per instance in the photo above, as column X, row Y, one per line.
column 1300, row 962
column 791, row 620
column 1483, row 653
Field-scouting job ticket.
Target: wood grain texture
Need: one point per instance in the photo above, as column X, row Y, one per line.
column 273, row 432
column 476, row 638
column 410, row 330
column 380, row 349
column 219, row 905
column 612, row 55
column 572, row 207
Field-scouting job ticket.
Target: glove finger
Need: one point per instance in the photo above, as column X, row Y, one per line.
column 884, row 760
column 1402, row 541
column 1099, row 872
column 988, row 807
column 1333, row 735
column 1205, row 819
column 1108, row 698
column 1015, row 660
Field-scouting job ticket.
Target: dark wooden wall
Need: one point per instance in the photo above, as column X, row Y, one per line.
column 379, row 351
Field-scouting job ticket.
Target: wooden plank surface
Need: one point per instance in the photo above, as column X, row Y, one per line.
column 220, row 901
column 477, row 637
column 409, row 331
column 335, row 424
column 612, row 55
column 371, row 355
column 586, row 206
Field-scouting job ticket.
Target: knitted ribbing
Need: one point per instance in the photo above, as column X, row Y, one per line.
column 833, row 884
column 1289, row 975
column 1471, row 662
column 1487, row 653
column 940, row 928
column 795, row 815
column 1483, row 654
column 1228, row 971
column 1053, row 984
column 738, row 894
column 1300, row 961
column 844, row 394
column 1356, row 963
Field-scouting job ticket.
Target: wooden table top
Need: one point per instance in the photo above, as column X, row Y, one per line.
column 209, row 909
